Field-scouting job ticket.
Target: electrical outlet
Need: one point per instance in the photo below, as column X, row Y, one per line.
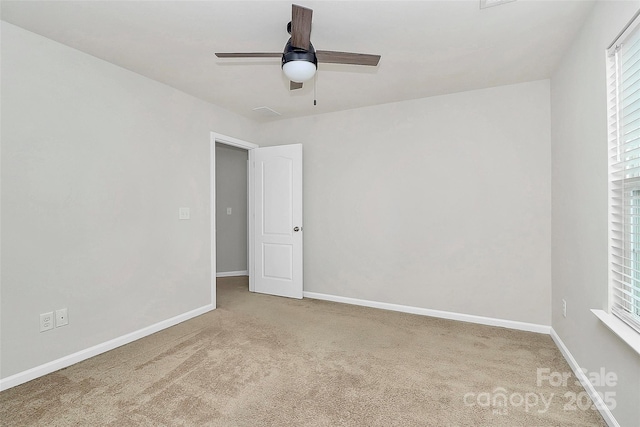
column 564, row 308
column 228, row 211
column 184, row 213
column 61, row 317
column 46, row 321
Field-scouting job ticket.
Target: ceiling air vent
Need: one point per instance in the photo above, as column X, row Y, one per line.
column 266, row 112
column 489, row 3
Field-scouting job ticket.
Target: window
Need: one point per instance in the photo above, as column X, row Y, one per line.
column 623, row 75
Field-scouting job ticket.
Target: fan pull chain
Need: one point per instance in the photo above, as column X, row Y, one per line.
column 315, row 89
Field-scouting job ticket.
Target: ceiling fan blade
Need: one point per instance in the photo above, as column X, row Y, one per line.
column 248, row 55
column 295, row 85
column 301, row 26
column 332, row 57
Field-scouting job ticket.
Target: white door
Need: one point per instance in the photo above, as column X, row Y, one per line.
column 277, row 223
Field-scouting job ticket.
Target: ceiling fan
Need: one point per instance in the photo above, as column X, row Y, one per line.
column 300, row 59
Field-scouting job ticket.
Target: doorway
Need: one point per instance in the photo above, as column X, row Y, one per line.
column 232, row 245
column 274, row 220
column 235, row 148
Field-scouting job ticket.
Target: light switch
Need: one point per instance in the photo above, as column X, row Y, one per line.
column 184, row 213
column 228, row 211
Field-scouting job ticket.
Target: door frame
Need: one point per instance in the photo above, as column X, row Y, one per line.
column 249, row 146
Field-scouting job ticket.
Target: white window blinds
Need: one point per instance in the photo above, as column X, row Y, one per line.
column 623, row 75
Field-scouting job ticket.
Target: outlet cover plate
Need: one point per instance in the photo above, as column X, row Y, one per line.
column 61, row 317
column 184, row 213
column 46, row 321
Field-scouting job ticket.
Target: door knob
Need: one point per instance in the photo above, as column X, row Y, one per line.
column 296, row 229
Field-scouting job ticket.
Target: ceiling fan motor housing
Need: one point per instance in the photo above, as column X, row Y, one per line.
column 292, row 53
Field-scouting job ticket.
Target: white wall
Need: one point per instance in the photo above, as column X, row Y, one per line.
column 441, row 203
column 231, row 192
column 579, row 221
column 96, row 161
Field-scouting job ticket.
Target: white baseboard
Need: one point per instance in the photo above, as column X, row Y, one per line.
column 63, row 362
column 511, row 324
column 595, row 397
column 232, row 273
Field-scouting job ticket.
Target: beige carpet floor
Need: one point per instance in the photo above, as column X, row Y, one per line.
column 266, row 361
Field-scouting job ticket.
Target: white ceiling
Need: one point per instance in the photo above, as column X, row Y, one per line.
column 428, row 47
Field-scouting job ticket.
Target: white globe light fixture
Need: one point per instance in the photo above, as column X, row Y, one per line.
column 299, row 65
column 299, row 71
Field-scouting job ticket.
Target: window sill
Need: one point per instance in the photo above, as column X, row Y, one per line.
column 621, row 329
